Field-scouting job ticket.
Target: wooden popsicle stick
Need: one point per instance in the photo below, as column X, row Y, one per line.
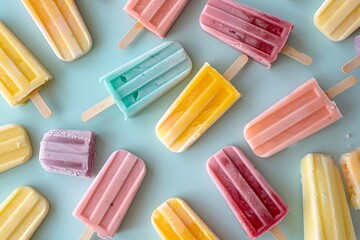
column 87, row 233
column 40, row 104
column 235, row 67
column 131, row 35
column 98, row 108
column 296, row 55
column 341, row 87
column 351, row 65
column 277, row 233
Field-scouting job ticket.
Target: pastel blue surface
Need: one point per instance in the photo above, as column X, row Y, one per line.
column 76, row 87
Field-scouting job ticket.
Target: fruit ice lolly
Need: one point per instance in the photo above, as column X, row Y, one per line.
column 22, row 75
column 355, row 62
column 106, row 202
column 205, row 99
column 15, row 146
column 175, row 219
column 62, row 26
column 22, row 213
column 256, row 34
column 350, row 164
column 136, row 84
column 254, row 202
column 69, row 152
column 303, row 112
column 157, row 16
column 338, row 19
column 326, row 213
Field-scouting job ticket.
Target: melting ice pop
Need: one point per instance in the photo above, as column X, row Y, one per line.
column 254, row 202
column 22, row 213
column 69, row 152
column 62, row 26
column 350, row 164
column 338, row 19
column 15, row 146
column 256, row 34
column 22, row 75
column 138, row 83
column 206, row 98
column 355, row 62
column 303, row 112
column 326, row 213
column 175, row 219
column 157, row 16
column 106, row 202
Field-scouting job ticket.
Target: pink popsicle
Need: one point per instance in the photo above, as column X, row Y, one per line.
column 354, row 63
column 106, row 202
column 254, row 202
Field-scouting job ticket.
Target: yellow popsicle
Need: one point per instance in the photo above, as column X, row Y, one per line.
column 206, row 98
column 15, row 146
column 22, row 213
column 326, row 213
column 21, row 74
column 175, row 219
column 350, row 164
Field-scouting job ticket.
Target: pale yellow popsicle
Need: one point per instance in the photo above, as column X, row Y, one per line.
column 15, row 146
column 350, row 164
column 176, row 220
column 22, row 213
column 62, row 25
column 326, row 213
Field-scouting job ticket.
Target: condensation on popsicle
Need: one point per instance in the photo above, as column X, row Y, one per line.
column 157, row 16
column 253, row 201
column 303, row 112
column 350, row 164
column 22, row 75
column 69, row 152
column 206, row 98
column 175, row 219
column 22, row 213
column 106, row 202
column 138, row 83
column 62, row 26
column 256, row 34
column 326, row 213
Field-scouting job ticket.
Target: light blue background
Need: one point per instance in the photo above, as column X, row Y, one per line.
column 75, row 87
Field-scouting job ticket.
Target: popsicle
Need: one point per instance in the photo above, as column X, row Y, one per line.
column 69, row 152
column 305, row 111
column 22, row 213
column 62, row 26
column 253, row 201
column 136, row 84
column 106, row 202
column 22, row 75
column 157, row 16
column 355, row 62
column 256, row 34
column 175, row 219
column 338, row 19
column 350, row 164
column 15, row 146
column 326, row 213
column 205, row 99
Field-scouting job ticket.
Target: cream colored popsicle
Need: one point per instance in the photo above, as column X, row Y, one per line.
column 350, row 164
column 337, row 19
column 22, row 213
column 15, row 146
column 326, row 213
column 175, row 219
column 62, row 25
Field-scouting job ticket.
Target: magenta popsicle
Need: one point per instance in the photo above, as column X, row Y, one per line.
column 106, row 202
column 355, row 62
column 254, row 202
